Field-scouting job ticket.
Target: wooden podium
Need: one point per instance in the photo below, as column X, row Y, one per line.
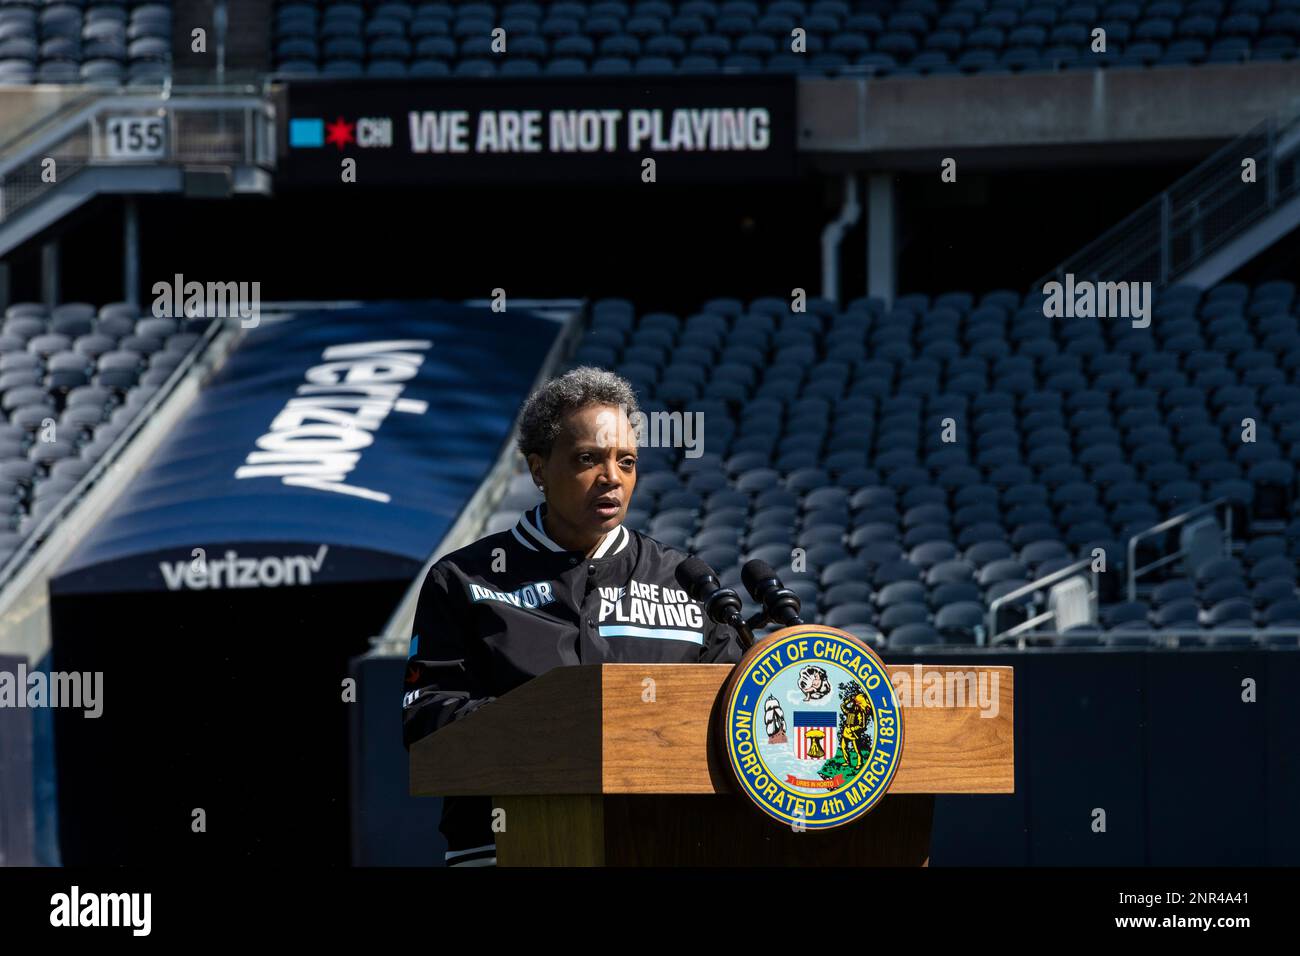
column 616, row 765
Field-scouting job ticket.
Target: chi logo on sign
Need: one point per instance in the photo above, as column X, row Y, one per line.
column 813, row 730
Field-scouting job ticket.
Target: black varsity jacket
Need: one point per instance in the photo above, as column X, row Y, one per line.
column 510, row 606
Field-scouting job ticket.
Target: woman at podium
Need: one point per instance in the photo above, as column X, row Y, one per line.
column 568, row 584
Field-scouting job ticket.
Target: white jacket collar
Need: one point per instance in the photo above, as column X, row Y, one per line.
column 531, row 533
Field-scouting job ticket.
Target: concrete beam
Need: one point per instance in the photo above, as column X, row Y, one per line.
column 131, row 250
column 1021, row 120
column 882, row 238
column 50, row 278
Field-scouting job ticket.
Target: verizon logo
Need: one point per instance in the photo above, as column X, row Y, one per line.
column 316, row 441
column 232, row 571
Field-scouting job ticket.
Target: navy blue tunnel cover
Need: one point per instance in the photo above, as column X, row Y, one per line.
column 335, row 447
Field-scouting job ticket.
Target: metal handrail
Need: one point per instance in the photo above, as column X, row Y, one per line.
column 1182, row 211
column 125, row 100
column 1033, row 587
column 20, row 182
column 1134, row 573
column 37, row 536
column 14, row 142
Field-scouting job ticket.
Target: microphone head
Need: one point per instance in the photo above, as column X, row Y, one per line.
column 696, row 578
column 755, row 573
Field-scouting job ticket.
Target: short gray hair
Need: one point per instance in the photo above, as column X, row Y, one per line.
column 544, row 411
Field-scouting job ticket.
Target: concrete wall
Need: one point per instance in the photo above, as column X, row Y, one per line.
column 1023, row 120
column 1188, row 774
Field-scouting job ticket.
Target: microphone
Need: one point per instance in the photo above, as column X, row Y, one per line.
column 722, row 605
column 780, row 603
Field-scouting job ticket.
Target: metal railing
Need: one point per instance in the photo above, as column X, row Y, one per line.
column 37, row 536
column 1197, row 215
column 77, row 102
column 1041, row 584
column 1177, row 520
column 202, row 126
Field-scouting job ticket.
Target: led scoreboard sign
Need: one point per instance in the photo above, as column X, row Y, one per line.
column 709, row 129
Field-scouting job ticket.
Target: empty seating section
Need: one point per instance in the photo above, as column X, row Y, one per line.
column 905, row 466
column 745, row 36
column 71, row 41
column 84, row 41
column 71, row 380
